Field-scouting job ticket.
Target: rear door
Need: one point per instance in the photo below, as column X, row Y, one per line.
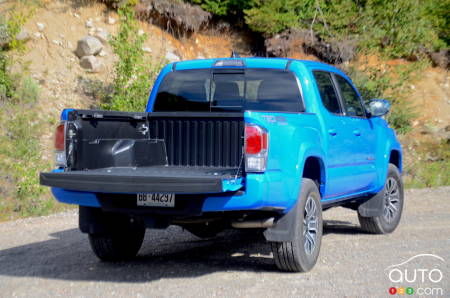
column 338, row 142
column 361, row 136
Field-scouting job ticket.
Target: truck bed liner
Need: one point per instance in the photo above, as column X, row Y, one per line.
column 164, row 179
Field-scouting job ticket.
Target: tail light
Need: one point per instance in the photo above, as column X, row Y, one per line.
column 256, row 148
column 60, row 145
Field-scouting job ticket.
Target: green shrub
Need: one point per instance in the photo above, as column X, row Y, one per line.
column 27, row 91
column 276, row 15
column 133, row 70
column 224, row 7
column 6, row 81
column 391, row 85
column 398, row 28
column 21, row 161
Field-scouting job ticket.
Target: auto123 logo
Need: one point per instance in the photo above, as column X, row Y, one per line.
column 420, row 275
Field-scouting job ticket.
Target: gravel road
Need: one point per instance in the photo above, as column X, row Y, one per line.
column 48, row 256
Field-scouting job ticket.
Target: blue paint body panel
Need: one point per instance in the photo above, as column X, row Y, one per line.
column 350, row 166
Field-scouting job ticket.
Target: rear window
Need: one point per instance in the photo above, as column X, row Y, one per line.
column 229, row 90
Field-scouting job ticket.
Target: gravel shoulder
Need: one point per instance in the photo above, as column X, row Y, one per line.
column 48, row 256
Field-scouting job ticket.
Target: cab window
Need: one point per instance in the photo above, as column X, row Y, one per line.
column 327, row 92
column 350, row 98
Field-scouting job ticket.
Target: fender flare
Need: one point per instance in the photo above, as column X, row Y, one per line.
column 285, row 228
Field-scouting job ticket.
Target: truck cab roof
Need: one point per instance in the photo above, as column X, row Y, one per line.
column 251, row 62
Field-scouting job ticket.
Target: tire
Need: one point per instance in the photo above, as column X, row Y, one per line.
column 393, row 197
column 301, row 254
column 204, row 231
column 121, row 245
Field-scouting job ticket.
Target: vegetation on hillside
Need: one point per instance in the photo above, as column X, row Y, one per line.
column 20, row 131
column 397, row 28
column 133, row 70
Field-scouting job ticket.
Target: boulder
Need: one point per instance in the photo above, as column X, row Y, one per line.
column 111, row 21
column 88, row 46
column 23, row 35
column 180, row 17
column 293, row 40
column 40, row 26
column 5, row 39
column 91, row 63
column 171, row 57
column 103, row 36
column 89, row 23
column 441, row 58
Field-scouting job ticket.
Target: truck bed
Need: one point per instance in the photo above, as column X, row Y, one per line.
column 174, row 152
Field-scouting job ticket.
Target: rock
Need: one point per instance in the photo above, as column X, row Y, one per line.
column 111, row 21
column 4, row 36
column 69, row 45
column 147, row 50
column 40, row 26
column 102, row 53
column 23, row 35
column 102, row 35
column 89, row 23
column 292, row 40
column 37, row 35
column 76, row 15
column 57, row 42
column 171, row 57
column 91, row 63
column 441, row 58
column 178, row 16
column 88, row 46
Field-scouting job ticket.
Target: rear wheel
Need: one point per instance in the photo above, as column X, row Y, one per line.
column 300, row 255
column 118, row 245
column 393, row 199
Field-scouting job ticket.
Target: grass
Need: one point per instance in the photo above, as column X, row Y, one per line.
column 430, row 165
column 21, row 161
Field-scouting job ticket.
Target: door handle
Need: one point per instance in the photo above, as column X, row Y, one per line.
column 356, row 132
column 332, row 132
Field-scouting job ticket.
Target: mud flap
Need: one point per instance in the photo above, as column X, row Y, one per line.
column 373, row 206
column 285, row 228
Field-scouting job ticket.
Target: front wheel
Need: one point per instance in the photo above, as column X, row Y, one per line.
column 393, row 199
column 301, row 254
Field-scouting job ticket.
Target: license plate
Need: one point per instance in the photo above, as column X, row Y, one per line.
column 155, row 200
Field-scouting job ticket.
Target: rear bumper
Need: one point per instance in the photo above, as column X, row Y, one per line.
column 261, row 192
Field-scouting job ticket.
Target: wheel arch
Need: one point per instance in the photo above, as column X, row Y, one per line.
column 314, row 169
column 395, row 158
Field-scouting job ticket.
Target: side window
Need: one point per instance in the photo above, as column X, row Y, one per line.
column 350, row 98
column 327, row 91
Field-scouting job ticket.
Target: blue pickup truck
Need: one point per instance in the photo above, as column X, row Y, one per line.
column 242, row 143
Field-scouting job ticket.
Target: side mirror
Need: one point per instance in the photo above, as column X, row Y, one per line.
column 379, row 107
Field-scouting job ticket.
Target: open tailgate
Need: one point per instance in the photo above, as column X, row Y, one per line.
column 162, row 179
